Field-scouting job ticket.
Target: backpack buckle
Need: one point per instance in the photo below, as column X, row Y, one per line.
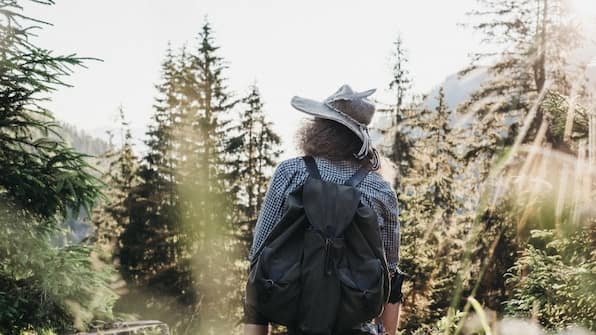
column 269, row 284
column 268, row 289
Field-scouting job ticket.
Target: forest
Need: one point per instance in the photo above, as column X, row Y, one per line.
column 497, row 195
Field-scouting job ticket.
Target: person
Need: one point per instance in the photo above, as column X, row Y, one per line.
column 340, row 143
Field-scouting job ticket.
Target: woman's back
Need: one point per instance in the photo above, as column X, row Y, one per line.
column 339, row 140
column 377, row 194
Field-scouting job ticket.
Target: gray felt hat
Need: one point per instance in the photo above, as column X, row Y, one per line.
column 349, row 108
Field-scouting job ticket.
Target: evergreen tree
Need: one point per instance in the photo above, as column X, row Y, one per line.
column 431, row 234
column 254, row 150
column 178, row 246
column 268, row 152
column 401, row 82
column 152, row 255
column 121, row 177
column 400, row 142
column 42, row 286
column 209, row 225
column 204, row 113
column 520, row 103
column 532, row 41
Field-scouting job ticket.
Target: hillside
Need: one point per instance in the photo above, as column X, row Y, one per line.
column 82, row 141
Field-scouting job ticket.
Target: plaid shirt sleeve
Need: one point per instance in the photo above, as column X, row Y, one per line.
column 273, row 206
column 386, row 206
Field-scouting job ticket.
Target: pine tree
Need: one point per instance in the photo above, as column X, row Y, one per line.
column 532, row 42
column 121, row 177
column 401, row 83
column 209, row 226
column 268, row 152
column 430, row 247
column 254, row 150
column 178, row 246
column 152, row 253
column 42, row 286
column 205, row 111
column 528, row 74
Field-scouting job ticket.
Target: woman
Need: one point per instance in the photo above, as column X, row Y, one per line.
column 339, row 141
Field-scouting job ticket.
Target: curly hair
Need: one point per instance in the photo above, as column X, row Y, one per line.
column 328, row 139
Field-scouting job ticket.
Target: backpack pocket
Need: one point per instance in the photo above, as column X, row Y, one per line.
column 277, row 288
column 361, row 294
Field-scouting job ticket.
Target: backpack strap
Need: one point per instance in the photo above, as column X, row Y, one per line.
column 358, row 176
column 311, row 166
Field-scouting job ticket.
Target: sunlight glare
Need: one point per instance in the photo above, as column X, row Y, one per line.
column 585, row 11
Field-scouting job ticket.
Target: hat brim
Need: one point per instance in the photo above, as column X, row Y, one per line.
column 319, row 109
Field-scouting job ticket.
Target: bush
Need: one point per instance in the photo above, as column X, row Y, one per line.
column 555, row 279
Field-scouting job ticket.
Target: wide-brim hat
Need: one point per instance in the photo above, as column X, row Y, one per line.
column 349, row 108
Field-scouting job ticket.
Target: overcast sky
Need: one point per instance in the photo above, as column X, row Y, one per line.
column 305, row 47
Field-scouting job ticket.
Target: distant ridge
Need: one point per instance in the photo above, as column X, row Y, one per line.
column 82, row 141
column 457, row 89
column 77, row 223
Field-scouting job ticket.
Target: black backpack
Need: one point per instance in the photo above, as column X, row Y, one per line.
column 322, row 269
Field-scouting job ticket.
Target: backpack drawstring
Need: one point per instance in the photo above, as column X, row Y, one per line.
column 333, row 246
column 328, row 260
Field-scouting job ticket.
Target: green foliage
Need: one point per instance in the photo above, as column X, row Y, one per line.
column 498, row 197
column 554, row 280
column 42, row 285
column 528, row 46
column 30, row 160
column 472, row 197
column 178, row 249
column 557, row 106
column 253, row 151
column 111, row 217
column 432, row 235
column 152, row 253
column 179, row 219
column 400, row 145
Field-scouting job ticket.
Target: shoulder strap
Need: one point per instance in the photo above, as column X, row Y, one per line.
column 311, row 166
column 358, row 176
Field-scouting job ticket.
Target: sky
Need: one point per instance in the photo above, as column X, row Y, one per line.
column 307, row 48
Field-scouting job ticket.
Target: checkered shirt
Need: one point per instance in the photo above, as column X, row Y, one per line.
column 376, row 194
